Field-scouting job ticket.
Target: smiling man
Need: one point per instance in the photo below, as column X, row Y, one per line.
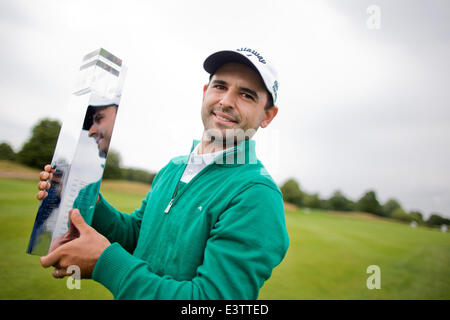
column 99, row 122
column 239, row 97
column 213, row 225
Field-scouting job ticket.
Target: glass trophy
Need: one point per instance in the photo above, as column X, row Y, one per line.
column 80, row 153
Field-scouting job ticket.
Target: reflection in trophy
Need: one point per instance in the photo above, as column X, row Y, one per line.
column 81, row 150
column 41, row 234
column 99, row 122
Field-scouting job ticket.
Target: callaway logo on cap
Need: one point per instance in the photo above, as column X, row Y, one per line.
column 250, row 58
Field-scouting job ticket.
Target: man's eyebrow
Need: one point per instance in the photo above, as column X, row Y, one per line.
column 253, row 93
column 219, row 82
column 250, row 91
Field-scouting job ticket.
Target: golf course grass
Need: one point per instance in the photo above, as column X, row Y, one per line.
column 327, row 258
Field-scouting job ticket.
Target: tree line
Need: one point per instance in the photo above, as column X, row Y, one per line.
column 369, row 203
column 38, row 151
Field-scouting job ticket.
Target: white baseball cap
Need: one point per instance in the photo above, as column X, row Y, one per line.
column 250, row 58
column 103, row 101
column 96, row 102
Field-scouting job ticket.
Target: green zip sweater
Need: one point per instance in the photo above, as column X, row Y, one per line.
column 220, row 238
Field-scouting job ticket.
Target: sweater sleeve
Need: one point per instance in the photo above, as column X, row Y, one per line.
column 248, row 240
column 117, row 226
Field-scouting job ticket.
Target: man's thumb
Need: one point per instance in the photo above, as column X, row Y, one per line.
column 78, row 221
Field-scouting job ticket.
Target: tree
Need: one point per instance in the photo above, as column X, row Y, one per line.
column 417, row 216
column 339, row 202
column 390, row 206
column 292, row 193
column 113, row 170
column 312, row 201
column 369, row 203
column 112, row 166
column 400, row 214
column 140, row 175
column 38, row 150
column 6, row 152
column 436, row 220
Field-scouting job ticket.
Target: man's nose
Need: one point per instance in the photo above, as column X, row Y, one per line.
column 228, row 99
column 92, row 130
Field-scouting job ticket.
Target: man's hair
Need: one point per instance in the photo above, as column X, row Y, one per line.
column 90, row 112
column 269, row 103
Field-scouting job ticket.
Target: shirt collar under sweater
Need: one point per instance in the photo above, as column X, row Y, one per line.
column 243, row 153
column 206, row 158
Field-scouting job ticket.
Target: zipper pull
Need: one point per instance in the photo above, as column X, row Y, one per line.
column 169, row 206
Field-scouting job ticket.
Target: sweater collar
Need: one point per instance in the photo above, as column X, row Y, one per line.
column 243, row 153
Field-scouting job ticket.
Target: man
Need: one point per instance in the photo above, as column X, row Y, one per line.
column 99, row 121
column 210, row 229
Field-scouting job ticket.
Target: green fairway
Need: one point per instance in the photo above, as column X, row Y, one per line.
column 329, row 255
column 22, row 276
column 327, row 258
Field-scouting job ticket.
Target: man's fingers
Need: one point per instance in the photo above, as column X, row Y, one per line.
column 41, row 195
column 51, row 259
column 59, row 273
column 47, row 174
column 49, row 168
column 43, row 175
column 73, row 232
column 43, row 185
column 78, row 222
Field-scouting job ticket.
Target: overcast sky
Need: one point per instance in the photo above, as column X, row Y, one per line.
column 360, row 107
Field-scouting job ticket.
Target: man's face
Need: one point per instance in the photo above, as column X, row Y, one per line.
column 235, row 98
column 102, row 127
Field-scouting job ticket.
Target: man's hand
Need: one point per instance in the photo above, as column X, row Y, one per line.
column 43, row 184
column 82, row 251
column 70, row 235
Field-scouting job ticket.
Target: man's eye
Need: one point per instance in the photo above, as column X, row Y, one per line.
column 247, row 96
column 219, row 86
column 97, row 118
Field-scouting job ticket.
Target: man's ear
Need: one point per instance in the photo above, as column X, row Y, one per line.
column 269, row 114
column 205, row 87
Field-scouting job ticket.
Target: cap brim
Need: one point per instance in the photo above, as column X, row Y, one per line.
column 218, row 59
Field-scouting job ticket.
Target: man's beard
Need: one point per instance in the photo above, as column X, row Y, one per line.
column 227, row 138
column 226, row 111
